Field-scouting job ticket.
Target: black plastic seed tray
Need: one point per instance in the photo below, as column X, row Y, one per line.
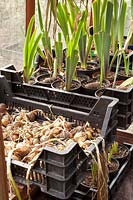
column 116, row 182
column 114, row 185
column 124, row 96
column 105, row 116
column 10, row 73
column 57, row 173
column 71, row 100
column 63, row 182
column 62, row 173
column 85, row 193
column 125, row 105
column 124, row 120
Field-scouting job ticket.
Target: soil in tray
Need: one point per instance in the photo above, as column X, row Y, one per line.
column 122, row 153
column 88, row 181
column 117, row 85
column 32, row 81
column 45, row 80
column 83, row 77
column 122, row 73
column 110, row 76
column 112, row 166
column 94, row 84
column 40, row 71
column 91, row 66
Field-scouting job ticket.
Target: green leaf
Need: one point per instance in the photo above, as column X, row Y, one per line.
column 98, row 43
column 104, row 4
column 74, row 11
column 96, row 16
column 40, row 53
column 107, row 38
column 82, row 48
column 132, row 8
column 121, row 24
column 27, row 39
column 40, row 16
column 31, row 43
column 127, row 82
column 54, row 4
column 115, row 22
column 62, row 20
column 32, row 53
column 90, row 40
column 108, row 17
column 71, row 63
column 78, row 31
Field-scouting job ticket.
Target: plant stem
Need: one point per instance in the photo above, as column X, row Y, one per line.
column 117, row 69
column 102, row 70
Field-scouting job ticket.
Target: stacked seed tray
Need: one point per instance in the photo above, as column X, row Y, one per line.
column 59, row 173
column 84, row 192
column 83, row 103
column 125, row 105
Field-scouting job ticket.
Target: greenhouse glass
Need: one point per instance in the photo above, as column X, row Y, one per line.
column 12, row 23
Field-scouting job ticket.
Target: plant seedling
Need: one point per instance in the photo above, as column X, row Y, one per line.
column 30, row 49
column 59, row 56
column 71, row 40
column 102, row 20
column 112, row 151
column 46, row 41
column 94, row 171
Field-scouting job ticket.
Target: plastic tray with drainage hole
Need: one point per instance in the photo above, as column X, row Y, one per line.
column 56, row 173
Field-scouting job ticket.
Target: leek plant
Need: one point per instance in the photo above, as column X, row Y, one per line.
column 72, row 56
column 68, row 15
column 115, row 24
column 122, row 50
column 118, row 24
column 59, row 56
column 121, row 19
column 30, row 49
column 50, row 9
column 85, row 43
column 46, row 41
column 113, row 150
column 94, row 171
column 127, row 62
column 71, row 23
column 102, row 21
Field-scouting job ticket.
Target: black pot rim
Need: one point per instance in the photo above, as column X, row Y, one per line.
column 118, row 165
column 102, row 90
column 91, row 80
column 57, row 81
column 119, row 158
column 84, row 76
column 89, row 69
column 42, row 75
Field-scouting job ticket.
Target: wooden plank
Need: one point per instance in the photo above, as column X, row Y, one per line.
column 124, row 136
column 3, row 174
column 30, row 11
